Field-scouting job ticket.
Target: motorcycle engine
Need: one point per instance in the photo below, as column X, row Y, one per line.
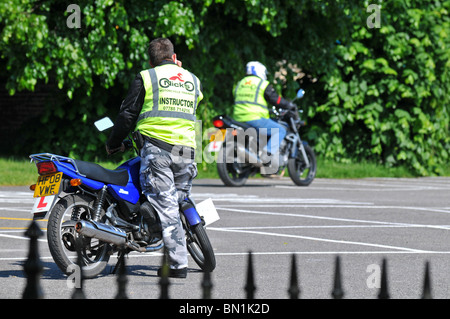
column 151, row 226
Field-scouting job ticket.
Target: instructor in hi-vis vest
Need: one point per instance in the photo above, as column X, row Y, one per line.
column 161, row 105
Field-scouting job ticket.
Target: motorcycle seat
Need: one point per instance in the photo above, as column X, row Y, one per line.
column 246, row 126
column 240, row 124
column 101, row 174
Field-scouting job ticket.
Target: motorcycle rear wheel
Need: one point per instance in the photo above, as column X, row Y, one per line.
column 229, row 172
column 298, row 172
column 61, row 237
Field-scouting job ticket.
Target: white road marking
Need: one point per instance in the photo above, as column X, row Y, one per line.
column 429, row 209
column 322, row 217
column 319, row 239
column 447, row 227
column 19, row 237
column 267, row 253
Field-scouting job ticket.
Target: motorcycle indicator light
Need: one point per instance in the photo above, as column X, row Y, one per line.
column 32, row 187
column 45, row 168
column 218, row 123
column 76, row 182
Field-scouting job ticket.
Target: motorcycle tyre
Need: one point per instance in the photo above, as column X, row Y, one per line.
column 293, row 166
column 200, row 248
column 225, row 169
column 55, row 242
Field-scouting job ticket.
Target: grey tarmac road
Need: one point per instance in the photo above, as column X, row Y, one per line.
column 406, row 221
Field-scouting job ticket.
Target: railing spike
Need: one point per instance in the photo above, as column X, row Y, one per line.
column 206, row 285
column 121, row 276
column 250, row 284
column 33, row 266
column 427, row 283
column 164, row 282
column 384, row 293
column 293, row 290
column 78, row 291
column 338, row 292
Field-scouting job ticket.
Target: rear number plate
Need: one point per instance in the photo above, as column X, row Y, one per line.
column 48, row 185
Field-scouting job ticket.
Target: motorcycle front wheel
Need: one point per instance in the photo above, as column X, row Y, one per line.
column 199, row 246
column 299, row 173
column 62, row 236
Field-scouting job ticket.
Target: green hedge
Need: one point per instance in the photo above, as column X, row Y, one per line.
column 388, row 97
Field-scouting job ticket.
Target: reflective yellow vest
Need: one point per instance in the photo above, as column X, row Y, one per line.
column 250, row 103
column 171, row 98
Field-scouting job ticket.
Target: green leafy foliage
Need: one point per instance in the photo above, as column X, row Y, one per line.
column 387, row 97
column 372, row 94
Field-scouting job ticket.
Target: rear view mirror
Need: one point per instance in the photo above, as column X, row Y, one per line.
column 104, row 124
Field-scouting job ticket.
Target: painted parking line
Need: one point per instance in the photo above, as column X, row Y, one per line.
column 334, row 241
column 19, row 237
column 370, row 188
column 267, row 253
column 15, row 218
column 373, row 223
column 446, row 227
column 408, row 208
column 320, row 217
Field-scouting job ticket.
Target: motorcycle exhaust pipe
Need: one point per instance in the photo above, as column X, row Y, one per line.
column 246, row 156
column 101, row 231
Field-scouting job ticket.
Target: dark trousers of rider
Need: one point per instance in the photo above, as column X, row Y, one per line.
column 165, row 179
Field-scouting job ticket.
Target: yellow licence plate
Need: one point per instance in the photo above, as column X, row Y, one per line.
column 48, row 185
column 218, row 136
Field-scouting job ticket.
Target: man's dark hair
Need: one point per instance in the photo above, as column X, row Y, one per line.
column 160, row 49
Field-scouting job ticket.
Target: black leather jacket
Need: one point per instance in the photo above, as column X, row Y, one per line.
column 129, row 112
column 273, row 98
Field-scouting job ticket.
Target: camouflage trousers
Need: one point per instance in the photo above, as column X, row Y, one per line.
column 166, row 179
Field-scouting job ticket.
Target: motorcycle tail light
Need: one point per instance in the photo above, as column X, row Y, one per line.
column 218, row 123
column 45, row 168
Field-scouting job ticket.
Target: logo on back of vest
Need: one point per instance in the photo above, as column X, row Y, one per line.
column 177, row 77
column 249, row 85
column 173, row 82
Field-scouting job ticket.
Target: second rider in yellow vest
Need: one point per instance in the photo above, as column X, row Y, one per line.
column 253, row 95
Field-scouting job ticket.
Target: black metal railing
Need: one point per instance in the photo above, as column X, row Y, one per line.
column 33, row 269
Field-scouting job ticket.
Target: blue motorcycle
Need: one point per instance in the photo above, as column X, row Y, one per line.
column 107, row 210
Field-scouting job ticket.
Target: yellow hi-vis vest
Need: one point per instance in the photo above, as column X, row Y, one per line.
column 171, row 98
column 249, row 101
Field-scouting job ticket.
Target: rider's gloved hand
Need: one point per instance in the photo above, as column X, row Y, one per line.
column 292, row 107
column 294, row 111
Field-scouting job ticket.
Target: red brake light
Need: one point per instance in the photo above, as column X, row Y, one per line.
column 218, row 123
column 45, row 168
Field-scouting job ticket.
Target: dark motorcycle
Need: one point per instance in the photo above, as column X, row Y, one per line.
column 240, row 155
column 107, row 210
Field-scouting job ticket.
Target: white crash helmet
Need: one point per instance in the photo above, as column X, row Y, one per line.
column 256, row 68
